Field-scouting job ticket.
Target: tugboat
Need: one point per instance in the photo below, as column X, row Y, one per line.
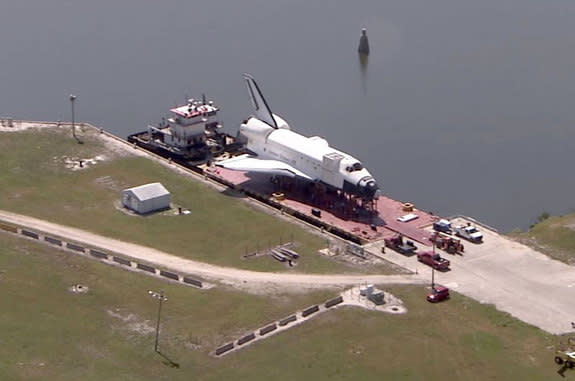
column 191, row 133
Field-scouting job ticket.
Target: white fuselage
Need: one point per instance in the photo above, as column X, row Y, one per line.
column 311, row 155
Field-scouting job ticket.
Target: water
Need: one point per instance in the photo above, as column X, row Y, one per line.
column 463, row 107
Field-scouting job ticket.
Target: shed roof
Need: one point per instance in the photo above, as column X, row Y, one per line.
column 149, row 191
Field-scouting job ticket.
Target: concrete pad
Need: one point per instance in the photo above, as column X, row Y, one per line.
column 515, row 278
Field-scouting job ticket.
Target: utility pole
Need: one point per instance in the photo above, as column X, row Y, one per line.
column 72, row 99
column 161, row 298
column 433, row 271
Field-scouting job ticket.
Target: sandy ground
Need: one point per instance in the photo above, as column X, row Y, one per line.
column 20, row 125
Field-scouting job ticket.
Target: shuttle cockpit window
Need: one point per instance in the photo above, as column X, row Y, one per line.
column 355, row 167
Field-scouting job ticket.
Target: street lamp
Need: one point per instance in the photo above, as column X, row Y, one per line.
column 433, row 270
column 72, row 99
column 161, row 298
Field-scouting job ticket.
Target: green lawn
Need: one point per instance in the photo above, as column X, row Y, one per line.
column 220, row 229
column 554, row 236
column 50, row 333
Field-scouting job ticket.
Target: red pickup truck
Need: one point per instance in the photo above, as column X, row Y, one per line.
column 434, row 260
column 437, row 294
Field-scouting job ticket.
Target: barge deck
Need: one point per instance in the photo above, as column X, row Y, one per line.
column 330, row 213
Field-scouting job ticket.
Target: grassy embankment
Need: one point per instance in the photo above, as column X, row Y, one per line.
column 554, row 236
column 50, row 333
column 220, row 229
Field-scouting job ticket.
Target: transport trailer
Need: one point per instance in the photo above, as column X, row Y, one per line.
column 397, row 243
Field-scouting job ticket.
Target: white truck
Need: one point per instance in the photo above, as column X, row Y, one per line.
column 469, row 232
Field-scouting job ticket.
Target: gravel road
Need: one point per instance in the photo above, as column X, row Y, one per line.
column 242, row 278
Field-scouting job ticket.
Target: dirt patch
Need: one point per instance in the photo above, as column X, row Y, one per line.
column 170, row 212
column 131, row 322
column 570, row 224
column 110, row 183
column 10, row 125
column 78, row 164
column 391, row 304
column 79, row 289
column 272, row 288
column 553, row 252
column 372, row 263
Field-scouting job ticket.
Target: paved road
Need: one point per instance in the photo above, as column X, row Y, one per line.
column 515, row 278
column 234, row 276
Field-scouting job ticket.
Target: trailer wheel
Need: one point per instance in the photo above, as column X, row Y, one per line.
column 570, row 364
column 558, row 360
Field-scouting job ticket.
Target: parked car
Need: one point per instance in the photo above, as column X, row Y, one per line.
column 443, row 226
column 437, row 294
column 469, row 232
column 408, row 217
column 434, row 260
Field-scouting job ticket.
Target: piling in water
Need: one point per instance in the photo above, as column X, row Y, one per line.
column 363, row 43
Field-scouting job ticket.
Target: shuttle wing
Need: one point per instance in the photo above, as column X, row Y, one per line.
column 250, row 163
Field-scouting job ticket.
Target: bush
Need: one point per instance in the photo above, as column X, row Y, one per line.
column 542, row 217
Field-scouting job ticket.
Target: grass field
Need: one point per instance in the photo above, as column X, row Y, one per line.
column 220, row 229
column 554, row 236
column 49, row 333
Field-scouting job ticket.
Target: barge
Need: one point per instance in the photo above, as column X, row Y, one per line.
column 192, row 137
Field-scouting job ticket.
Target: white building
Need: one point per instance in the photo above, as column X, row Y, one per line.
column 146, row 198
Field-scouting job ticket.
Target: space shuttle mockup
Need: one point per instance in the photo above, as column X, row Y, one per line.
column 279, row 151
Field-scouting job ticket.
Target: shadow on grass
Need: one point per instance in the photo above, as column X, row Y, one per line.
column 233, row 193
column 168, row 361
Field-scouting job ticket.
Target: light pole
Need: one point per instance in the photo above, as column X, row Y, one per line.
column 433, row 270
column 72, row 99
column 161, row 298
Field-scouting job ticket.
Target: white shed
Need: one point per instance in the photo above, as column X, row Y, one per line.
column 146, row 198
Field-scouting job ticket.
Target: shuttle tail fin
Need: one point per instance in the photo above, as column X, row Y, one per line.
column 263, row 111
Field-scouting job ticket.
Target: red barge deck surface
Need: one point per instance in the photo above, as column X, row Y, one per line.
column 333, row 209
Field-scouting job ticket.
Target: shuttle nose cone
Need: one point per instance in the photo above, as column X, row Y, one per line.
column 369, row 188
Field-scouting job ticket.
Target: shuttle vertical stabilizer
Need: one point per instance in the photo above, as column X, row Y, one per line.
column 263, row 111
